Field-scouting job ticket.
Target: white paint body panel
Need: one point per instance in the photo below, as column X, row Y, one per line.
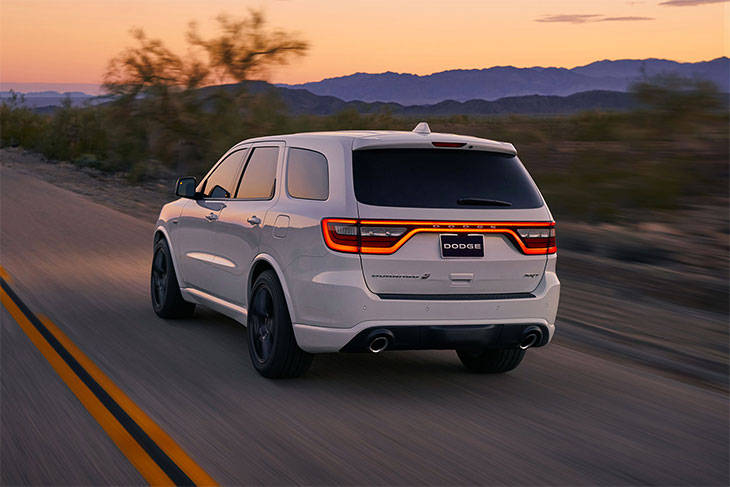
column 237, row 240
column 353, row 308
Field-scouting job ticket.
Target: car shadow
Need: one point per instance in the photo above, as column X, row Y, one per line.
column 419, row 369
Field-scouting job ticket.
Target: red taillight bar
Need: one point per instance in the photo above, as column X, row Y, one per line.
column 353, row 241
column 338, row 242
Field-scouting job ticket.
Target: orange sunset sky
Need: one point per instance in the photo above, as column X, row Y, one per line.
column 70, row 41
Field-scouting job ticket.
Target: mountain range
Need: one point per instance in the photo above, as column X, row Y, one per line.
column 601, row 85
column 507, row 81
column 39, row 99
column 301, row 102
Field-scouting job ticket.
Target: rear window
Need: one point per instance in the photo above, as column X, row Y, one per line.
column 307, row 175
column 433, row 178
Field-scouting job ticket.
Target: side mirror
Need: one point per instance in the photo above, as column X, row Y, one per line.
column 185, row 188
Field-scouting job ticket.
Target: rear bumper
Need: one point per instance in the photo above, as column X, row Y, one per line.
column 419, row 335
column 451, row 337
column 425, row 324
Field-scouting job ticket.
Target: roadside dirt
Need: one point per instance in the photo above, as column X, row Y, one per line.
column 142, row 200
column 651, row 295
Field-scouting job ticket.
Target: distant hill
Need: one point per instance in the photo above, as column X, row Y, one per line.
column 38, row 99
column 507, row 81
column 301, row 102
column 529, row 105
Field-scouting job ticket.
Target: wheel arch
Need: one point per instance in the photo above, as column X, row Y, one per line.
column 263, row 262
column 160, row 233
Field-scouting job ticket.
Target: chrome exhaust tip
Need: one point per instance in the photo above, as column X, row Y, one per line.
column 378, row 344
column 529, row 340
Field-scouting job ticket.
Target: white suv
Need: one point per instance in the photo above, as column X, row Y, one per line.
column 364, row 241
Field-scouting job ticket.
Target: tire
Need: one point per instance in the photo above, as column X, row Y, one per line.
column 491, row 361
column 167, row 301
column 271, row 343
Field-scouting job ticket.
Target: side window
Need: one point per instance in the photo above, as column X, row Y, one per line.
column 224, row 177
column 307, row 175
column 259, row 176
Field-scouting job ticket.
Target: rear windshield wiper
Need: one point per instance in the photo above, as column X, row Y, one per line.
column 482, row 202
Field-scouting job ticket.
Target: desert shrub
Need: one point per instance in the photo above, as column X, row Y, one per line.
column 674, row 105
column 19, row 125
column 593, row 125
column 73, row 131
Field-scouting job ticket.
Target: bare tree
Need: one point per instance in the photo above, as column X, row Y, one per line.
column 149, row 66
column 244, row 48
column 163, row 109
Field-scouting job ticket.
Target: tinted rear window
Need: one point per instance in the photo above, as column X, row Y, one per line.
column 434, row 178
column 307, row 175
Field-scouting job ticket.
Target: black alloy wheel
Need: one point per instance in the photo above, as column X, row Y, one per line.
column 159, row 278
column 167, row 301
column 261, row 324
column 271, row 342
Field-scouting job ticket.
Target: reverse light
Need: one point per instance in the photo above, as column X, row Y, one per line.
column 346, row 230
column 382, row 231
column 387, row 236
column 538, row 237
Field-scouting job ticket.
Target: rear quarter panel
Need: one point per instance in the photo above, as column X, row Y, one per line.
column 301, row 252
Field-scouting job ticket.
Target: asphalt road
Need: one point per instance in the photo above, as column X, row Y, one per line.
column 400, row 418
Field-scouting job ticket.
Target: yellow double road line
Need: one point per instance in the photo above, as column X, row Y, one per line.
column 153, row 453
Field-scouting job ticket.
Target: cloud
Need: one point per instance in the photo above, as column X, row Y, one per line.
column 584, row 18
column 689, row 3
column 569, row 18
column 623, row 19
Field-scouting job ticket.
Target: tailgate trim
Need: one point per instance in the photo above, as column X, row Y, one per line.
column 455, row 297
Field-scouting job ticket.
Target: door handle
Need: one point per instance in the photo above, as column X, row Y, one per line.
column 211, row 217
column 254, row 220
